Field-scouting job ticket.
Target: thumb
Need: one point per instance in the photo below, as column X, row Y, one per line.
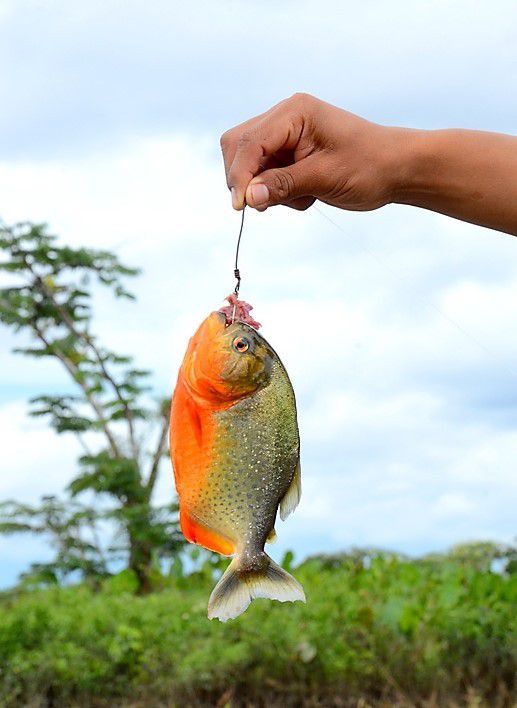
column 283, row 184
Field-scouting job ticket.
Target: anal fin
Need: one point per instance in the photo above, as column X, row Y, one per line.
column 196, row 532
column 292, row 497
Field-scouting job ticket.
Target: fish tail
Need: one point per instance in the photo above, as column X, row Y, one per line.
column 240, row 585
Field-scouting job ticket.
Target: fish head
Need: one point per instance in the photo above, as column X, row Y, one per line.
column 226, row 362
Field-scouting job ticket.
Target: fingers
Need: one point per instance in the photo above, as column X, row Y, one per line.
column 249, row 147
column 229, row 140
column 252, row 147
column 296, row 185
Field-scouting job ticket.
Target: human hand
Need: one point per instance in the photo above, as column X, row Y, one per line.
column 304, row 149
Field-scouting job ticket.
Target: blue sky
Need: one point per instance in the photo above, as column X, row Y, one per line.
column 111, row 115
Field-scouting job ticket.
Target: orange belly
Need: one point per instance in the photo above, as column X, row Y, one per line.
column 192, row 429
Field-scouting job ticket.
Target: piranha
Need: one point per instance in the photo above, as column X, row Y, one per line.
column 235, row 451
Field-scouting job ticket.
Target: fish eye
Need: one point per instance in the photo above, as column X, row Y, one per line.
column 241, row 344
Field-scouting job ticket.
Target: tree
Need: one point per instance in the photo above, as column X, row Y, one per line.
column 110, row 411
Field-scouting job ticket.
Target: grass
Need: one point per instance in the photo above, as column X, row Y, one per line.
column 377, row 630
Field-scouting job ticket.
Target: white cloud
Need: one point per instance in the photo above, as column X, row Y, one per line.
column 34, row 460
column 452, row 504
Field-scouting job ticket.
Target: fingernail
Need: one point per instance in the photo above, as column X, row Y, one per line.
column 259, row 195
column 235, row 198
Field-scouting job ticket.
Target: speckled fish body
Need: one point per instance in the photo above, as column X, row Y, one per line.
column 235, row 451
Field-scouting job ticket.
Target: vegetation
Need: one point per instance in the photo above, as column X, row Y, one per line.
column 109, row 411
column 377, row 629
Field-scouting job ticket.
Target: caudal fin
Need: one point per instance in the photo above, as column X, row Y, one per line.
column 238, row 587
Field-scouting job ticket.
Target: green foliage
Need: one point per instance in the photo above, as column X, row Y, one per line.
column 71, row 529
column 391, row 630
column 50, row 300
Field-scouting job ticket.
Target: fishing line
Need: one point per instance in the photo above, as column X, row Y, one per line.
column 236, row 271
column 380, row 261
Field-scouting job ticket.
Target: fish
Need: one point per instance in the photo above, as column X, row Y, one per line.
column 235, row 451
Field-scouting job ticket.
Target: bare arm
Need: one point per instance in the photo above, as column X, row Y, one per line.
column 304, row 149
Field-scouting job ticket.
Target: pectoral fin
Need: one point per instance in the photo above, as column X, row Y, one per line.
column 293, row 494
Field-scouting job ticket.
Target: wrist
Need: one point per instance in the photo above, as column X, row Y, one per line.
column 416, row 161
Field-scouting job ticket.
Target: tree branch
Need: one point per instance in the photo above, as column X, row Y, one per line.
column 155, row 465
column 73, row 370
column 85, row 447
column 97, row 542
column 86, row 338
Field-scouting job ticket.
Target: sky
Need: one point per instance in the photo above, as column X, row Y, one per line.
column 397, row 326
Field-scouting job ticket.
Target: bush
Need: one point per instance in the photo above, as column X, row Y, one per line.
column 375, row 625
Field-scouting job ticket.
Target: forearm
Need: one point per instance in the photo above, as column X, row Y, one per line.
column 467, row 174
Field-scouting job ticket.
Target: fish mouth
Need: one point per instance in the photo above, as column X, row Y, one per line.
column 216, row 323
column 212, row 328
